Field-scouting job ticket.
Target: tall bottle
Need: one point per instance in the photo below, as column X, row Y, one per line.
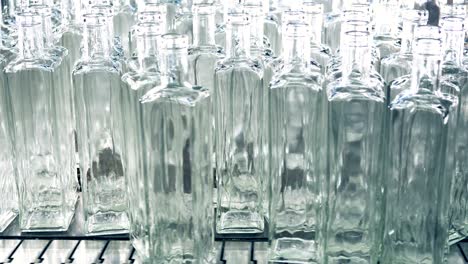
column 96, row 77
column 143, row 74
column 454, row 72
column 41, row 130
column 71, row 34
column 400, row 63
column 417, row 187
column 8, row 188
column 351, row 222
column 296, row 148
column 175, row 130
column 238, row 105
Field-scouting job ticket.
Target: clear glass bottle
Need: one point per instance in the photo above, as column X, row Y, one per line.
column 42, row 131
column 100, row 131
column 296, row 121
column 183, row 22
column 272, row 27
column 177, row 161
column 386, row 26
column 8, row 188
column 400, row 63
column 143, row 75
column 70, row 34
column 332, row 25
column 417, row 189
column 319, row 52
column 454, row 72
column 237, row 107
column 351, row 224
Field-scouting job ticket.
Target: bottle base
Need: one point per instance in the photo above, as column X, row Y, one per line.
column 47, row 221
column 293, row 250
column 6, row 219
column 233, row 222
column 107, row 223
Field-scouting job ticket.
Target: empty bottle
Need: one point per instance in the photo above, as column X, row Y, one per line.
column 124, row 19
column 417, row 189
column 351, row 224
column 175, row 133
column 41, row 131
column 237, row 107
column 96, row 78
column 386, row 26
column 296, row 148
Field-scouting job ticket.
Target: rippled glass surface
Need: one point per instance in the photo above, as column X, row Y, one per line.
column 100, row 137
column 238, row 105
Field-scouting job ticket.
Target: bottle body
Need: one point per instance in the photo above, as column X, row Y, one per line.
column 417, row 190
column 297, row 163
column 8, row 190
column 42, row 134
column 238, row 104
column 100, row 137
column 353, row 196
column 175, row 129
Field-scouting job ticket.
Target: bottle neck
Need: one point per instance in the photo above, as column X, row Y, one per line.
column 337, row 5
column 356, row 55
column 147, row 36
column 45, row 13
column 71, row 12
column 411, row 20
column 174, row 67
column 237, row 37
column 255, row 13
column 454, row 39
column 204, row 26
column 427, row 65
column 296, row 44
column 96, row 42
column 314, row 12
column 30, row 42
column 8, row 11
column 386, row 22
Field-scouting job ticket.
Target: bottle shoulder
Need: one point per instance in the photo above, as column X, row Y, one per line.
column 208, row 51
column 186, row 95
column 84, row 66
column 141, row 80
column 421, row 100
column 21, row 64
column 240, row 65
column 355, row 89
column 291, row 76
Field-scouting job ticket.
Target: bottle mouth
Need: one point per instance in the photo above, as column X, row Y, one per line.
column 174, row 41
column 94, row 19
column 203, row 9
column 416, row 16
column 453, row 23
column 237, row 18
column 313, row 8
column 357, row 39
column 28, row 19
column 293, row 17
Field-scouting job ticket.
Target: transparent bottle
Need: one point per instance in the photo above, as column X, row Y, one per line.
column 70, row 34
column 351, row 224
column 454, row 72
column 386, row 26
column 183, row 20
column 8, row 188
column 417, row 189
column 332, row 25
column 237, row 107
column 96, row 77
column 319, row 52
column 143, row 75
column 296, row 148
column 400, row 63
column 41, row 130
column 272, row 27
column 177, row 161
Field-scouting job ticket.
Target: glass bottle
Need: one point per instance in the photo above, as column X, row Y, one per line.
column 400, row 63
column 184, row 19
column 70, row 34
column 296, row 121
column 8, row 20
column 143, row 75
column 177, row 161
column 454, row 72
column 98, row 114
column 272, row 27
column 386, row 26
column 8, row 188
column 319, row 52
column 237, row 107
column 351, row 222
column 41, row 130
column 417, row 188
column 332, row 25
column 124, row 19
